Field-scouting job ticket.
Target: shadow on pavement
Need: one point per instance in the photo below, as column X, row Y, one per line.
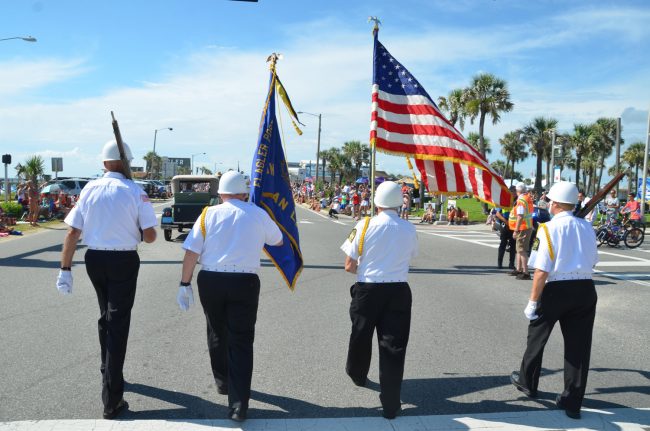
column 427, row 397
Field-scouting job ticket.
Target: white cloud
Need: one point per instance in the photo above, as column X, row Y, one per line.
column 21, row 76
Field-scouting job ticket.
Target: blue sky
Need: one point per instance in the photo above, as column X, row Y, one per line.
column 199, row 67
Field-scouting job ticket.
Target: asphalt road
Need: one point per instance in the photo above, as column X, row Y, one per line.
column 468, row 333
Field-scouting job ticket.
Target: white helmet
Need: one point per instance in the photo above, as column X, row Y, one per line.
column 232, row 183
column 111, row 152
column 521, row 187
column 563, row 192
column 388, row 195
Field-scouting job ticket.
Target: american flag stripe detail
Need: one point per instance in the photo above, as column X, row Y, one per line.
column 406, row 121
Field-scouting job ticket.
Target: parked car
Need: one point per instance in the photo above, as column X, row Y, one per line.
column 71, row 186
column 191, row 193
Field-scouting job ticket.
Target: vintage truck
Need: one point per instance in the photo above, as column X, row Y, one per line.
column 190, row 194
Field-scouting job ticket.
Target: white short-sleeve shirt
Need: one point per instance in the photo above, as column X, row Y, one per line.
column 236, row 232
column 572, row 252
column 389, row 245
column 110, row 212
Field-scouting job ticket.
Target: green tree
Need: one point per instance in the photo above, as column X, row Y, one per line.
column 580, row 140
column 474, row 140
column 537, row 135
column 153, row 163
column 205, row 171
column 633, row 156
column 454, row 107
column 357, row 153
column 486, row 96
column 500, row 167
column 513, row 147
column 604, row 142
column 32, row 169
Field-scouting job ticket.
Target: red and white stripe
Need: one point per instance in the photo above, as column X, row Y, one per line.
column 413, row 125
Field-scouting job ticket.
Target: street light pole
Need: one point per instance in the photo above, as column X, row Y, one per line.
column 25, row 38
column 318, row 142
column 552, row 179
column 192, row 165
column 155, row 134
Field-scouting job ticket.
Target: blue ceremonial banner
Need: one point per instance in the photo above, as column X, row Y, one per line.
column 271, row 190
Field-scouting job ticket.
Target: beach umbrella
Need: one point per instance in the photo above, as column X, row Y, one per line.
column 52, row 188
column 362, row 180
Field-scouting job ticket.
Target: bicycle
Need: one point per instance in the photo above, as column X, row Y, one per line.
column 613, row 232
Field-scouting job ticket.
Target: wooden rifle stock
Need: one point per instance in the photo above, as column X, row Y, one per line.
column 600, row 196
column 120, row 146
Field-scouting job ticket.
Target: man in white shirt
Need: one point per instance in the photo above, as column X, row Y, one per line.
column 379, row 250
column 115, row 215
column 563, row 255
column 227, row 240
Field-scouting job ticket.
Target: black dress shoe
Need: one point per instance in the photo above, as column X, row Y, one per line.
column 514, row 379
column 113, row 413
column 559, row 402
column 514, row 273
column 390, row 414
column 359, row 382
column 237, row 415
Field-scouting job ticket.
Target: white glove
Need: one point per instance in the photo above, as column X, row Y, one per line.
column 185, row 297
column 530, row 310
column 64, row 282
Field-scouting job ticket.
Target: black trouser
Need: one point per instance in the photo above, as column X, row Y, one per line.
column 573, row 304
column 506, row 238
column 114, row 275
column 333, row 212
column 387, row 307
column 229, row 302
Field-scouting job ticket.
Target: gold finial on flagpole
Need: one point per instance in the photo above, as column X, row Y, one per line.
column 273, row 58
column 376, row 21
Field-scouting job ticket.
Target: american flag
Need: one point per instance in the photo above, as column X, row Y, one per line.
column 405, row 121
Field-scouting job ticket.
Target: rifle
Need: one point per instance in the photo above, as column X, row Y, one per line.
column 126, row 166
column 600, row 196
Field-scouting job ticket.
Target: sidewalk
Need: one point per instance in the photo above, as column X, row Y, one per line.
column 612, row 419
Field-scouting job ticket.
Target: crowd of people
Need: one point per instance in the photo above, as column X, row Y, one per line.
column 39, row 205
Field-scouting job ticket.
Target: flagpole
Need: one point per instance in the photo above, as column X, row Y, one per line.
column 645, row 172
column 373, row 148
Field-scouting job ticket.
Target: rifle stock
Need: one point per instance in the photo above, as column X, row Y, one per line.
column 600, row 196
column 126, row 165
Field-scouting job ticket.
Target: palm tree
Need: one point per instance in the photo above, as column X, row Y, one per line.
column 487, row 95
column 605, row 140
column 32, row 169
column 500, row 167
column 454, row 107
column 327, row 156
column 474, row 140
column 513, row 147
column 537, row 135
column 633, row 156
column 580, row 141
column 205, row 171
column 153, row 162
column 357, row 153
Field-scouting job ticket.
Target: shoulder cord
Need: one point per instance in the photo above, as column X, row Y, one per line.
column 362, row 238
column 551, row 252
column 203, row 213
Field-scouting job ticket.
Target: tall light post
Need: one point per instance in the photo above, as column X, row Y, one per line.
column 155, row 134
column 318, row 143
column 6, row 158
column 192, row 164
column 25, row 38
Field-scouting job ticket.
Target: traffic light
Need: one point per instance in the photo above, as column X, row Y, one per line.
column 6, row 159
